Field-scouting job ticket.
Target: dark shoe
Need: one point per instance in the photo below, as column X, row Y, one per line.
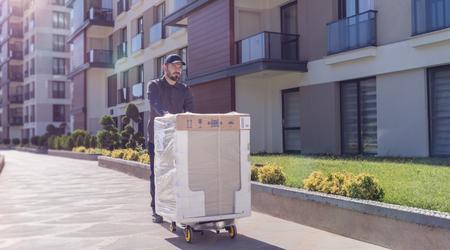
column 157, row 219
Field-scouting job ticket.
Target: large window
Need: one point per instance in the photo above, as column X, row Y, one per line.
column 59, row 43
column 59, row 66
column 60, row 20
column 289, row 18
column 160, row 13
column 58, row 89
column 348, row 8
column 439, row 104
column 59, row 113
column 112, row 91
column 359, row 117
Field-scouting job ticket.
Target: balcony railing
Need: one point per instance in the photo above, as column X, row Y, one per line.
column 122, row 6
column 430, row 15
column 16, row 11
column 100, row 56
column 353, row 32
column 137, row 91
column 268, row 45
column 137, row 42
column 16, row 99
column 100, row 14
column 122, row 50
column 15, row 54
column 123, row 95
column 156, row 32
column 16, row 121
column 15, row 33
column 16, row 76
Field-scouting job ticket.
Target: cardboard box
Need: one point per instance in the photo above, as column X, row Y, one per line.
column 202, row 167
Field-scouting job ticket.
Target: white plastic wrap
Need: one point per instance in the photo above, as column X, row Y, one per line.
column 202, row 170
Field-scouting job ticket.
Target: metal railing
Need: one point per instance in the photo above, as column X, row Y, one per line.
column 268, row 45
column 430, row 15
column 156, row 32
column 100, row 14
column 122, row 50
column 137, row 42
column 352, row 32
column 137, row 91
column 123, row 95
column 100, row 56
column 16, row 99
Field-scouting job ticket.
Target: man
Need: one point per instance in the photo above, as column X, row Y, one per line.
column 167, row 96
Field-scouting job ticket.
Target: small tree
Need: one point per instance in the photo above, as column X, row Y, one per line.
column 35, row 140
column 79, row 141
column 129, row 138
column 78, row 132
column 87, row 141
column 70, row 144
column 93, row 142
column 108, row 137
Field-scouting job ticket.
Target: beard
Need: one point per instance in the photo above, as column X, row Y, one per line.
column 174, row 77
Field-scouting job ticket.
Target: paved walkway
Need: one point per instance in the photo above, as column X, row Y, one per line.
column 50, row 202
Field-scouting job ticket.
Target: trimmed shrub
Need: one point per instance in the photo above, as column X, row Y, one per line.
column 79, row 149
column 117, row 153
column 16, row 141
column 362, row 186
column 6, row 141
column 130, row 155
column 93, row 142
column 365, row 186
column 79, row 141
column 144, row 158
column 254, row 173
column 25, row 141
column 271, row 174
column 35, row 140
column 87, row 141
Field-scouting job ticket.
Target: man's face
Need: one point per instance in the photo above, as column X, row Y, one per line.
column 173, row 70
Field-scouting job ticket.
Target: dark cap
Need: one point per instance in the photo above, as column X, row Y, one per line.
column 174, row 58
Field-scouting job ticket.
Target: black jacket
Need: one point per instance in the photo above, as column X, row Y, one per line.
column 165, row 98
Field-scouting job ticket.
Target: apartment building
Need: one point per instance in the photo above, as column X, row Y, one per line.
column 333, row 77
column 117, row 48
column 34, row 59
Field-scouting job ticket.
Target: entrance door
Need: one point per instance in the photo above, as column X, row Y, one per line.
column 291, row 120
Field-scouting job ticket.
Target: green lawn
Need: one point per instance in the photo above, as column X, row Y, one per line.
column 422, row 182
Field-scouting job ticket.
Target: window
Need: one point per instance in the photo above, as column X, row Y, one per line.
column 125, row 79
column 60, row 20
column 140, row 25
column 58, row 89
column 123, row 35
column 160, row 13
column 289, row 18
column 59, row 113
column 159, row 66
column 32, row 67
column 27, row 46
column 32, row 113
column 359, row 117
column 439, row 110
column 58, row 2
column 291, row 120
column 59, row 43
column 59, row 66
column 112, row 91
column 140, row 73
column 350, row 8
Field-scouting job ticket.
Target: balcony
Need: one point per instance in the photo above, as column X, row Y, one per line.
column 430, row 15
column 137, row 43
column 137, row 91
column 16, row 77
column 182, row 10
column 270, row 46
column 156, row 32
column 122, row 6
column 16, row 11
column 16, row 99
column 352, row 32
column 15, row 33
column 15, row 55
column 101, row 16
column 16, row 121
column 123, row 95
column 100, row 58
column 122, row 50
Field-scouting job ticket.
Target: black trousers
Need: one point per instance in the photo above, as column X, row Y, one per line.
column 151, row 152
